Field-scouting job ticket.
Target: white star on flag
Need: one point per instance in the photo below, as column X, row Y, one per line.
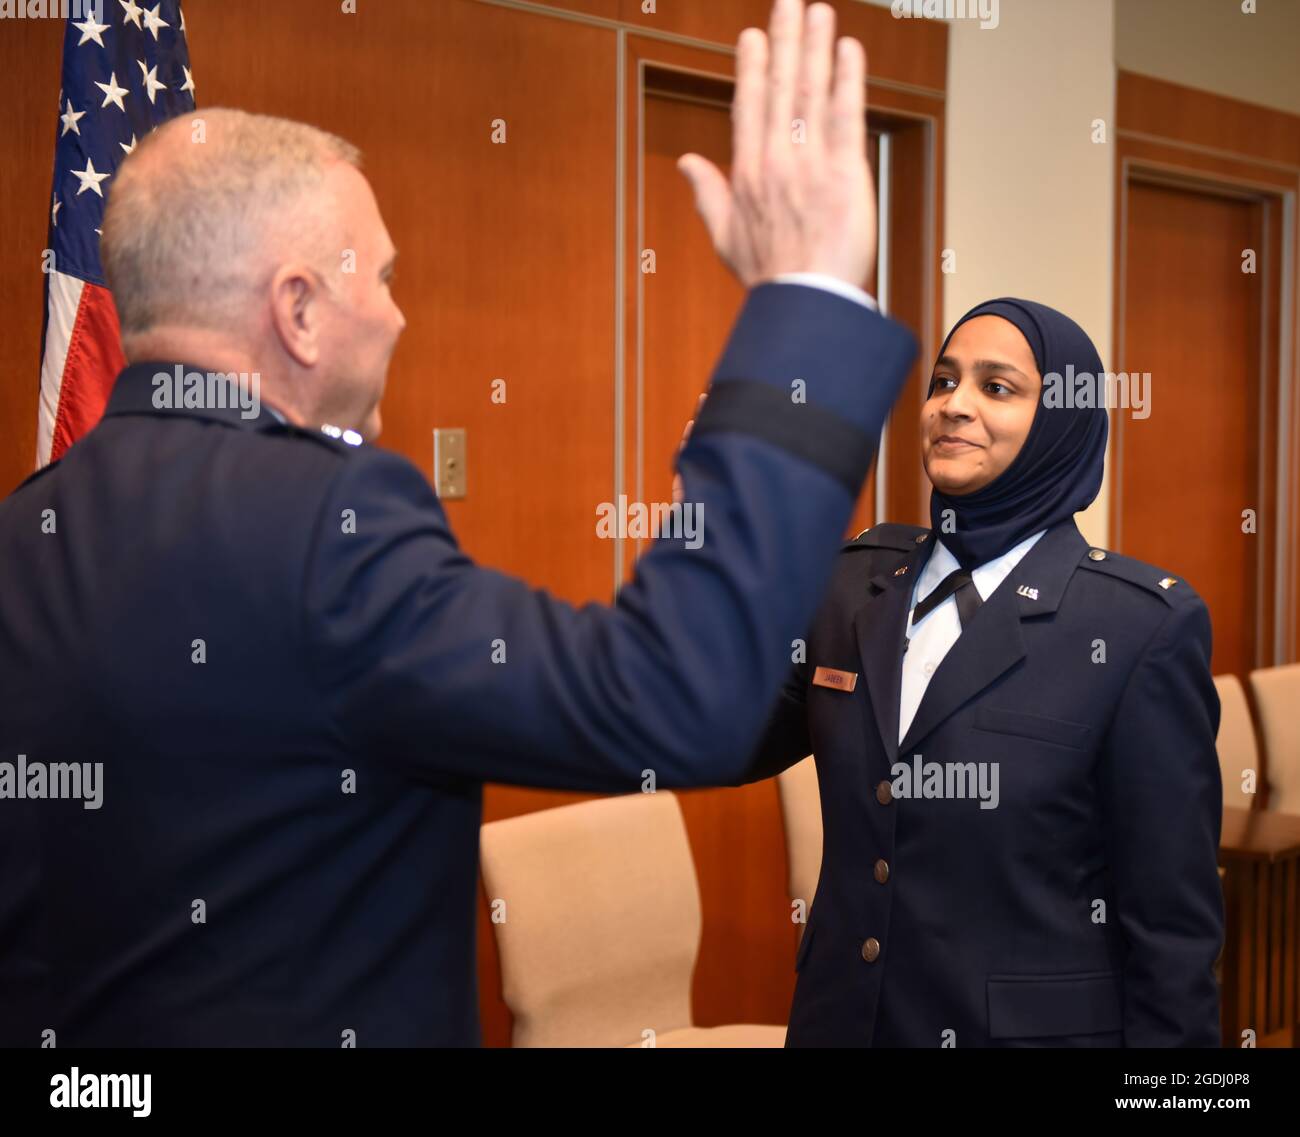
column 113, row 93
column 151, row 81
column 101, row 104
column 69, row 120
column 90, row 30
column 89, row 179
column 153, row 21
column 133, row 13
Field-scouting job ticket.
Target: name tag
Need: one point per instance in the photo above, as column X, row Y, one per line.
column 837, row 680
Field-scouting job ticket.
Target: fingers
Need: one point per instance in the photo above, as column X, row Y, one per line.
column 812, row 94
column 785, row 38
column 690, row 422
column 793, row 209
column 749, row 105
column 712, row 195
column 686, row 434
column 848, row 119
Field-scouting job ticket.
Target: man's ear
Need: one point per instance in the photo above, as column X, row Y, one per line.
column 295, row 312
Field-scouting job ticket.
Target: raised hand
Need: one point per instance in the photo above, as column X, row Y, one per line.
column 800, row 197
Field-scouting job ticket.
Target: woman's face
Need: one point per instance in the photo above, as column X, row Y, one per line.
column 983, row 394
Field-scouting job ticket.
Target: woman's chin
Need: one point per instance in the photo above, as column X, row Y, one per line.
column 953, row 482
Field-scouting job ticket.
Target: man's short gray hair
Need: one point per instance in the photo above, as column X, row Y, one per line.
column 199, row 212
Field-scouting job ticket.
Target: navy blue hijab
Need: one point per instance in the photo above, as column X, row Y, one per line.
column 1059, row 467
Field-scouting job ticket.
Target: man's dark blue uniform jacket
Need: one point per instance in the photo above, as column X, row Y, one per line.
column 229, row 891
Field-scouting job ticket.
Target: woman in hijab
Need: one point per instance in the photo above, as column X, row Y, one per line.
column 1014, row 737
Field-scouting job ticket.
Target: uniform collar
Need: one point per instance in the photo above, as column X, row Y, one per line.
column 1042, row 574
column 986, row 577
column 1033, row 587
column 162, row 389
column 994, row 643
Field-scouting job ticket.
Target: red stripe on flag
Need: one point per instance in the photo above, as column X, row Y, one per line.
column 94, row 360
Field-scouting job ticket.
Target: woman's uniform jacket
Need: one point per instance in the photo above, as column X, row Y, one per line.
column 1085, row 909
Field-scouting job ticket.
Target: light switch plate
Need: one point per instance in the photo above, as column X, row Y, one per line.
column 450, row 470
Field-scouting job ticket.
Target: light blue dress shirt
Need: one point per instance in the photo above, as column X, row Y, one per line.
column 830, row 284
column 929, row 641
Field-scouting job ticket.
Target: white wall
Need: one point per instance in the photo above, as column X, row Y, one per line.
column 1214, row 45
column 1029, row 195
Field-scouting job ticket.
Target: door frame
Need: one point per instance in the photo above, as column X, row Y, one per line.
column 1188, row 139
column 913, row 117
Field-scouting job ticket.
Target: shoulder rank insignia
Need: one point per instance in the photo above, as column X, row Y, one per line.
column 351, row 437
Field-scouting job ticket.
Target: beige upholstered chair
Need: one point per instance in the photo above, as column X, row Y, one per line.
column 1277, row 698
column 1236, row 743
column 801, row 812
column 602, row 926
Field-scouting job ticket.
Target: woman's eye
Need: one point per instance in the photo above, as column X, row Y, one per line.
column 994, row 387
column 941, row 383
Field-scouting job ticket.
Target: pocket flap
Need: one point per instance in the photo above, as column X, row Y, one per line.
column 1047, row 1006
column 1059, row 731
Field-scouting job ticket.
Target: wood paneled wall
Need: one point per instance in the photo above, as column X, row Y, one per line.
column 31, row 53
column 518, row 262
column 1199, row 179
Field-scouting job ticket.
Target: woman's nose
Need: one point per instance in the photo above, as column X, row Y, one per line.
column 958, row 404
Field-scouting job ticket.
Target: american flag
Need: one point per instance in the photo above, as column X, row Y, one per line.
column 125, row 70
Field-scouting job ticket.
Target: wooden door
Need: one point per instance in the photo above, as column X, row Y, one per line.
column 1190, row 490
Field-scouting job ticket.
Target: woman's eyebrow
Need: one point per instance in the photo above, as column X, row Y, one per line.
column 997, row 365
column 979, row 365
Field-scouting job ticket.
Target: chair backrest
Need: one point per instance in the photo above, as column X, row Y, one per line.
column 596, row 911
column 1238, row 751
column 801, row 811
column 1277, row 698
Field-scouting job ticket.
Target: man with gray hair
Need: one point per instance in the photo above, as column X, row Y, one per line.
column 262, row 627
column 224, row 242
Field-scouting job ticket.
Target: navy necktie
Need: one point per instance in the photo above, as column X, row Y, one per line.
column 958, row 584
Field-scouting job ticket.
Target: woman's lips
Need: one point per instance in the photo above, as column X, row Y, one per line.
column 954, row 445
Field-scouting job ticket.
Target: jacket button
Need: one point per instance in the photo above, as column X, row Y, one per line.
column 1096, row 555
column 884, row 793
column 871, row 949
column 882, row 871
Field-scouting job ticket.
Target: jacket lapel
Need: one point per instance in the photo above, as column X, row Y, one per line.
column 880, row 625
column 994, row 642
